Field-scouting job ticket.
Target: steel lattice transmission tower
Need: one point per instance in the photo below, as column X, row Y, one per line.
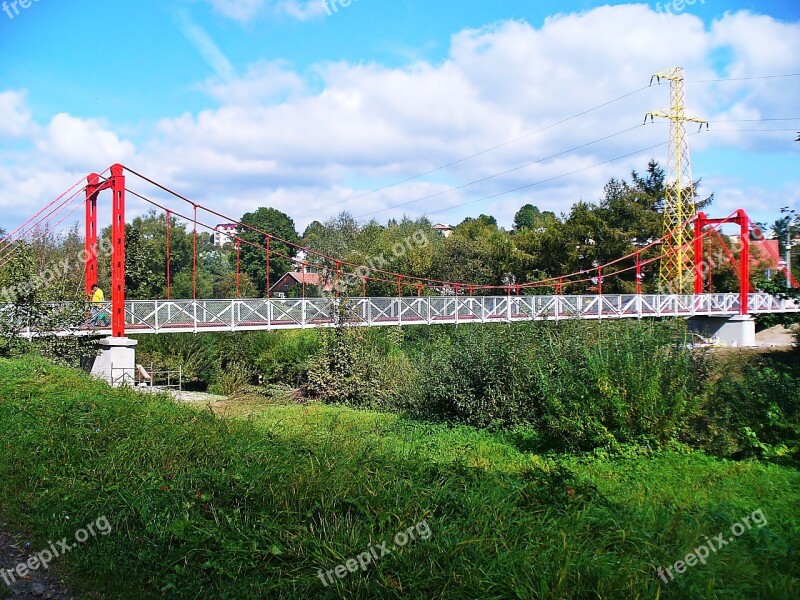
column 679, row 204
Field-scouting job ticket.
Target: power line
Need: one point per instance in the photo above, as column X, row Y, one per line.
column 541, row 160
column 514, row 140
column 572, row 150
column 756, row 120
column 743, row 78
column 482, row 152
column 530, row 185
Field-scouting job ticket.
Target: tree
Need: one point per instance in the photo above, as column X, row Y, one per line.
column 254, row 245
column 146, row 257
column 628, row 216
column 530, row 217
column 483, row 219
column 478, row 252
column 314, row 229
column 338, row 238
column 27, row 286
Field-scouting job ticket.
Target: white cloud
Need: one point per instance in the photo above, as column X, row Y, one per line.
column 205, row 45
column 82, row 143
column 272, row 139
column 302, row 10
column 15, row 116
column 263, row 83
column 241, row 10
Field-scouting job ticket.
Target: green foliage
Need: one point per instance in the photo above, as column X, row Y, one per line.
column 406, row 247
column 777, row 287
column 204, row 507
column 30, row 284
column 145, row 257
column 530, row 217
column 478, row 252
column 574, row 385
column 232, row 380
column 50, row 268
column 359, row 368
column 754, row 410
column 253, row 253
column 278, row 357
column 196, row 355
column 284, row 356
column 581, row 385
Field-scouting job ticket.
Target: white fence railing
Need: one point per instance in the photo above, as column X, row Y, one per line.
column 180, row 316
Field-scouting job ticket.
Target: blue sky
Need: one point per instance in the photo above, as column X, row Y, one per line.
column 241, row 103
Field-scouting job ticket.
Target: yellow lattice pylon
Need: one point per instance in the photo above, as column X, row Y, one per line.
column 679, row 204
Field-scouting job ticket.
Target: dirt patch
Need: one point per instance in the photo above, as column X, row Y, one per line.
column 35, row 584
column 201, row 397
column 776, row 336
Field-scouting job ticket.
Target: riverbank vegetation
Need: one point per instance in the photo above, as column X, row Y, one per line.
column 260, row 502
column 571, row 386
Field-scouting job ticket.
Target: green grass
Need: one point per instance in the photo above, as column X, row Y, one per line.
column 252, row 504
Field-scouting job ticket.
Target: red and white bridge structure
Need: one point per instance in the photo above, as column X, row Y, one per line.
column 198, row 316
column 419, row 301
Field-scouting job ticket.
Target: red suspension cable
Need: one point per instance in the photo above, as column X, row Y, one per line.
column 427, row 282
column 238, row 267
column 169, row 226
column 194, row 256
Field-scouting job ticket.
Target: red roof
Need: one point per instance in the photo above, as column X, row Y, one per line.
column 308, row 278
column 767, row 251
column 301, row 278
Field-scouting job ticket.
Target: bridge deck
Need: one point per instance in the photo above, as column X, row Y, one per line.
column 193, row 316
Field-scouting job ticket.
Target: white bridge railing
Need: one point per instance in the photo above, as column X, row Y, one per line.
column 193, row 316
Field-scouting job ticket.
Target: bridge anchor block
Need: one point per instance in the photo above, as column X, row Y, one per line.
column 116, row 363
column 738, row 331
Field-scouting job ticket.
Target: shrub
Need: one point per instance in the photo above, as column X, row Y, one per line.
column 362, row 369
column 478, row 376
column 231, row 381
column 606, row 383
column 196, row 355
column 581, row 384
column 753, row 409
column 284, row 356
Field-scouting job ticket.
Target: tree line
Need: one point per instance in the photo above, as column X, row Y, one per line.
column 541, row 245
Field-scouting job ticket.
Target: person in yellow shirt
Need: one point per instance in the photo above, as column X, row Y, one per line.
column 98, row 297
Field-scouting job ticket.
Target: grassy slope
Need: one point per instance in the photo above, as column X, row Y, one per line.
column 253, row 507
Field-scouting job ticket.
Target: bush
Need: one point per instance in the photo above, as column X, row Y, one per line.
column 602, row 384
column 361, row 369
column 753, row 410
column 581, row 384
column 479, row 376
column 231, row 381
column 196, row 355
column 284, row 356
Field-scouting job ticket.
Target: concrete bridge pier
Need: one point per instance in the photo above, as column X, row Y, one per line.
column 737, row 331
column 116, row 362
